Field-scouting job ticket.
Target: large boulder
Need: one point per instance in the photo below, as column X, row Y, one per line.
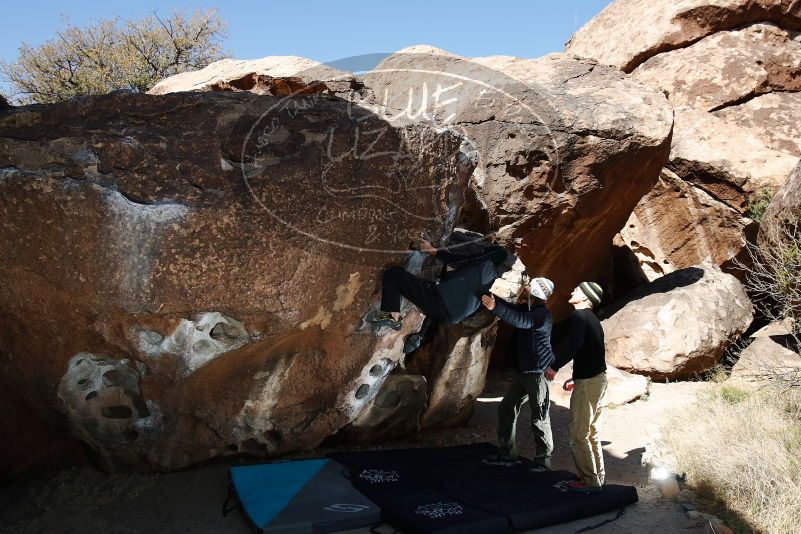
column 677, row 326
column 698, row 211
column 188, row 275
column 567, row 148
column 628, row 32
column 557, row 140
column 727, row 68
column 772, row 117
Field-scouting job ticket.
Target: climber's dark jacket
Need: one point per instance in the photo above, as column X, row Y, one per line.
column 473, row 276
column 531, row 344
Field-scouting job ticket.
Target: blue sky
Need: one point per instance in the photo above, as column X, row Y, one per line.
column 327, row 31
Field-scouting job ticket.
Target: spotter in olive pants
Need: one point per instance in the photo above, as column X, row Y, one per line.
column 526, row 387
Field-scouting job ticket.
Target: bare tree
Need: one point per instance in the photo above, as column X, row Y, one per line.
column 114, row 54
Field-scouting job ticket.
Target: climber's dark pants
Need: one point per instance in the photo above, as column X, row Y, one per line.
column 419, row 291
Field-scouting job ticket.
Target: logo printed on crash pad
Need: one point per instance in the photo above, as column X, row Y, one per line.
column 438, row 510
column 346, row 507
column 498, row 462
column 378, row 476
column 562, row 485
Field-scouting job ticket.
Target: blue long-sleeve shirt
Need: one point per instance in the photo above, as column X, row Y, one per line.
column 531, row 344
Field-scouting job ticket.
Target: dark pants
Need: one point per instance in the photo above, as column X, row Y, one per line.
column 534, row 388
column 419, row 291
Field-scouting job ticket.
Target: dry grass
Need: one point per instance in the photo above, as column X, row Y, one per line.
column 742, row 448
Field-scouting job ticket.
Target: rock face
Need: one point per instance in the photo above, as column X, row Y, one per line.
column 557, row 140
column 778, row 241
column 677, row 225
column 784, row 210
column 567, row 147
column 455, row 365
column 727, row 68
column 394, row 411
column 641, row 29
column 727, row 162
column 767, row 358
column 191, row 273
column 623, row 387
column 772, row 117
column 698, row 210
column 272, row 75
column 739, row 59
column 678, row 325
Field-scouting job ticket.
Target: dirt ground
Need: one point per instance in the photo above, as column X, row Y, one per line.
column 83, row 500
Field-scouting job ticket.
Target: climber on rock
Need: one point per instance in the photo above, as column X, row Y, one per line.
column 530, row 355
column 465, row 279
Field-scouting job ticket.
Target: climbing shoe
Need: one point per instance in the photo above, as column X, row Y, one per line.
column 412, row 342
column 385, row 319
column 580, row 487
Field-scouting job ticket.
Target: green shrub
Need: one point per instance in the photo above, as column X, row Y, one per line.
column 758, row 205
column 732, row 394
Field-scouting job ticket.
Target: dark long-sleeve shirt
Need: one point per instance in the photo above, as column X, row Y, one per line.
column 582, row 342
column 461, row 291
column 494, row 253
column 531, row 343
column 473, row 275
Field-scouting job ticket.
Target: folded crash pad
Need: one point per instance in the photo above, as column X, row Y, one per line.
column 301, row 496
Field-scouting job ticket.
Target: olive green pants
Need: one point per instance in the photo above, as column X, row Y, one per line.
column 526, row 387
column 585, row 442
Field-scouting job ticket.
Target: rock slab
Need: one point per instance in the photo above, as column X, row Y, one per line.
column 677, row 326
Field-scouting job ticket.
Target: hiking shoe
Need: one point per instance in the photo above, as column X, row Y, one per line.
column 385, row 319
column 412, row 343
column 580, row 487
